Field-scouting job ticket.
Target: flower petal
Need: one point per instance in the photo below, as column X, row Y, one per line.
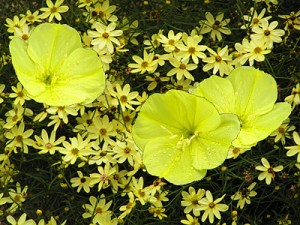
column 219, row 91
column 49, row 44
column 210, row 149
column 256, row 91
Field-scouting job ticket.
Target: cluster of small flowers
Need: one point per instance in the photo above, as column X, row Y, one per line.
column 101, row 131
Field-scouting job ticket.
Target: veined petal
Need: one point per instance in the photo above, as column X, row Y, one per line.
column 256, row 91
column 162, row 159
column 50, row 44
column 210, row 149
column 257, row 127
column 27, row 71
column 219, row 91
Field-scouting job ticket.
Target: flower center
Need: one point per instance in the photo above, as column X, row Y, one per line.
column 192, row 50
column 211, row 205
column 75, row 151
column 123, row 98
column 53, row 10
column 144, row 64
column 267, row 32
column 105, row 35
column 255, row 21
column 218, row 58
column 182, row 66
column 216, row 25
column 257, row 50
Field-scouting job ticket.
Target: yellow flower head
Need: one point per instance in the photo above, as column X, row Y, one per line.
column 55, row 69
column 182, row 135
column 251, row 95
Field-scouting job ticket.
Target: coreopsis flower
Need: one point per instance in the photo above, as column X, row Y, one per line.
column 105, row 36
column 285, row 220
column 126, row 209
column 125, row 151
column 21, row 221
column 19, row 94
column 211, row 207
column 18, row 138
column 293, row 150
column 253, row 50
column 145, row 64
column 85, row 3
column 154, row 43
column 53, row 10
column 63, row 112
column 17, row 197
column 76, row 148
column 103, row 177
column 81, row 182
column 269, row 3
column 15, row 115
column 254, row 19
column 268, row 172
column 170, row 42
column 294, row 98
column 103, row 129
column 154, row 80
column 23, row 33
column 234, row 152
column 137, row 187
column 16, row 22
column 55, row 69
column 219, row 61
column 170, row 142
column 216, row 26
column 282, row 132
column 292, row 21
column 157, row 211
column 267, row 33
column 244, row 195
column 124, row 97
column 48, row 145
column 190, row 220
column 191, row 48
column 190, row 200
column 32, row 17
column 97, row 208
column 181, row 68
column 251, row 95
column 100, row 12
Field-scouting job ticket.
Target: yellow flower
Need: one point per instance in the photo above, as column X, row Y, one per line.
column 19, row 94
column 215, row 26
column 97, row 208
column 250, row 94
column 170, row 42
column 104, row 177
column 55, row 69
column 254, row 20
column 294, row 98
column 293, row 150
column 282, row 132
column 53, row 10
column 32, row 17
column 126, row 209
column 243, row 196
column 21, row 221
column 15, row 23
column 268, row 171
column 190, row 200
column 105, row 36
column 219, row 61
column 211, row 207
column 267, row 33
column 46, row 144
column 19, row 138
column 81, row 182
column 190, row 220
column 181, row 68
column 253, row 50
column 145, row 64
column 191, row 48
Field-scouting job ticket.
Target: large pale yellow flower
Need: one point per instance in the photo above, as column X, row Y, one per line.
column 251, row 95
column 55, row 69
